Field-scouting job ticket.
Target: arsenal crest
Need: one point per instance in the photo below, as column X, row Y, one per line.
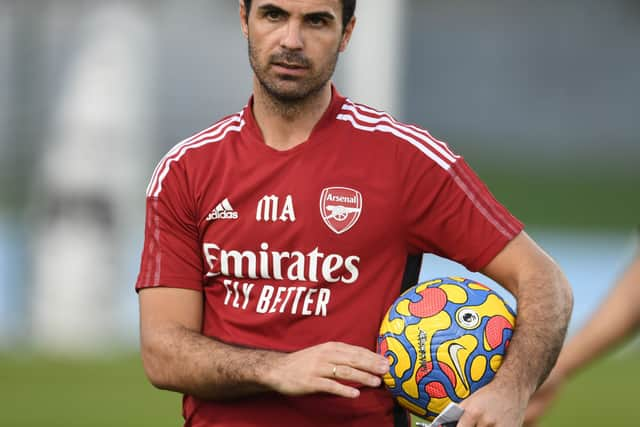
column 340, row 208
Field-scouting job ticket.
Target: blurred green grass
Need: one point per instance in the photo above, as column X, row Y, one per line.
column 46, row 391
column 603, row 395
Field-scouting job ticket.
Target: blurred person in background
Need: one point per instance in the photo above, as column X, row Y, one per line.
column 610, row 325
column 261, row 309
column 82, row 202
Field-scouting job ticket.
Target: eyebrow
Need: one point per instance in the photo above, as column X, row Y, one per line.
column 269, row 7
column 325, row 15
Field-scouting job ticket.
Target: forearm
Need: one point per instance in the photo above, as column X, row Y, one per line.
column 544, row 307
column 182, row 360
column 610, row 325
column 178, row 357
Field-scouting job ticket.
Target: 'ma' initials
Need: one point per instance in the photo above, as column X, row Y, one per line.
column 269, row 209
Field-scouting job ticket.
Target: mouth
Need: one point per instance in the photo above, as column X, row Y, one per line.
column 289, row 70
column 290, row 66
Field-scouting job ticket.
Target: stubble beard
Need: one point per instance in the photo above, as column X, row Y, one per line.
column 290, row 101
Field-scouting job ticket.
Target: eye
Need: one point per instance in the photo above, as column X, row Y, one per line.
column 468, row 318
column 273, row 15
column 317, row 21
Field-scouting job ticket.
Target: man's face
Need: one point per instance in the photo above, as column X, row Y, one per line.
column 294, row 44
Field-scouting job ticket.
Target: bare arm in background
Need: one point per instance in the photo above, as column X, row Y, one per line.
column 544, row 306
column 177, row 357
column 610, row 325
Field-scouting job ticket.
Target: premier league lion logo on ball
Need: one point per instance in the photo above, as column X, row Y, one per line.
column 444, row 338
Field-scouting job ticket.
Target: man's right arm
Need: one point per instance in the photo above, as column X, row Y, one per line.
column 177, row 357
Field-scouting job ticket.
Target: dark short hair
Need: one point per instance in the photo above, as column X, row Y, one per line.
column 348, row 9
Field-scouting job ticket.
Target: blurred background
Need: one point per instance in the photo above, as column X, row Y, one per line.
column 542, row 98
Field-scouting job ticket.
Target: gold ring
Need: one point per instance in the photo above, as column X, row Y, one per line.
column 335, row 367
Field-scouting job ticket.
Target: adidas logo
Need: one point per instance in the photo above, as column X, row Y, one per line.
column 223, row 210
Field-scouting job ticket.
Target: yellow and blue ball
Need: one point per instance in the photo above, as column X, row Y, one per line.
column 444, row 338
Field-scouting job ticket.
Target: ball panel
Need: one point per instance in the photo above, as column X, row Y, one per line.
column 478, row 286
column 401, row 361
column 435, row 389
column 478, row 367
column 495, row 362
column 402, row 308
column 455, row 293
column 494, row 331
column 411, row 406
column 435, row 406
column 432, row 302
column 395, row 326
column 491, row 305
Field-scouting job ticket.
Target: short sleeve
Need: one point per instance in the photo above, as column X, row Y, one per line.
column 171, row 256
column 450, row 212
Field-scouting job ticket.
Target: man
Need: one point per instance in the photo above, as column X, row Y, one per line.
column 276, row 240
column 615, row 320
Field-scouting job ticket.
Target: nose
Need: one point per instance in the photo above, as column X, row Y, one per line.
column 292, row 38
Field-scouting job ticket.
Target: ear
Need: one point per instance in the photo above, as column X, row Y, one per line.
column 243, row 19
column 346, row 36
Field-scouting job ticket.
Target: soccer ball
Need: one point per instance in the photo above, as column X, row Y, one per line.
column 444, row 338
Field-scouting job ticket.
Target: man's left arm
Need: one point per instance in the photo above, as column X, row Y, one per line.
column 544, row 304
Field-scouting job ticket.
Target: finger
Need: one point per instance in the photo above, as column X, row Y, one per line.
column 335, row 387
column 348, row 373
column 468, row 418
column 360, row 358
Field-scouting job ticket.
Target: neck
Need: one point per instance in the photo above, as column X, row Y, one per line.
column 285, row 124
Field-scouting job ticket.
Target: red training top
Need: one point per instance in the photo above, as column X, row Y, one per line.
column 299, row 247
